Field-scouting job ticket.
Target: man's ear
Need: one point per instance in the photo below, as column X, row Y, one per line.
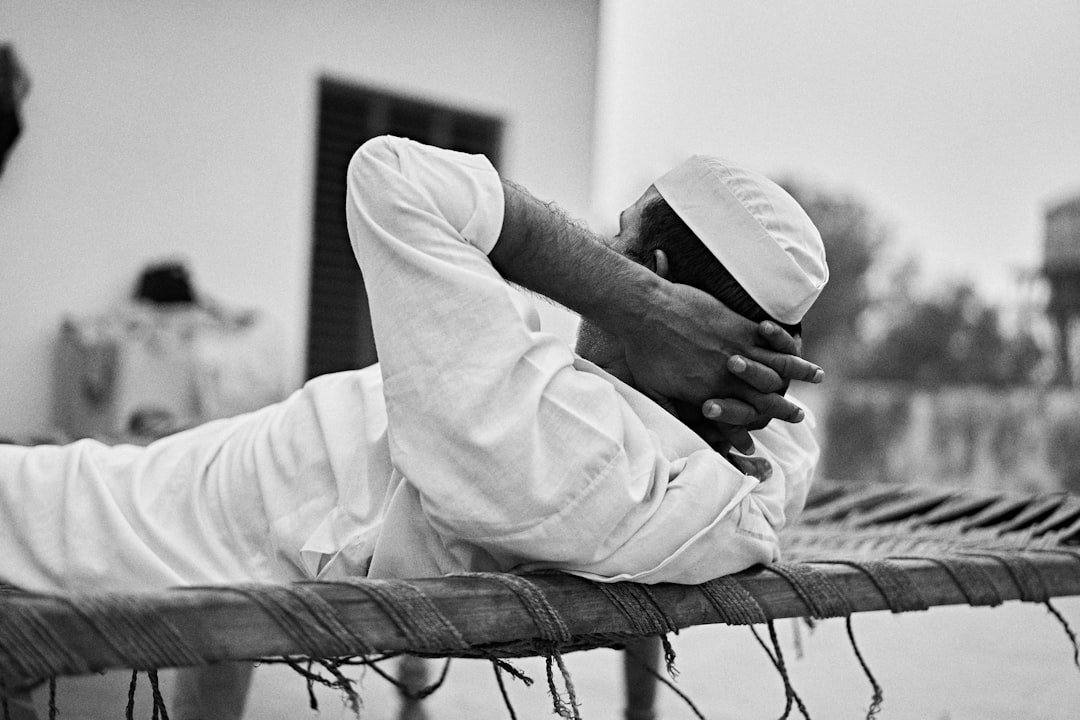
column 660, row 263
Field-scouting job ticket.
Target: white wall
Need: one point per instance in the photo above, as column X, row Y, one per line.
column 164, row 129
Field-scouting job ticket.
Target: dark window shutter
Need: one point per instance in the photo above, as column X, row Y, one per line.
column 339, row 322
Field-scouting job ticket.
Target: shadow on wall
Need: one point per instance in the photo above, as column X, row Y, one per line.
column 1022, row 439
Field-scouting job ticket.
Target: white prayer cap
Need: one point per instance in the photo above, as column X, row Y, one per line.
column 760, row 234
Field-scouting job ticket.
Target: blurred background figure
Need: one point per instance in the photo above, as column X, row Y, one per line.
column 14, row 85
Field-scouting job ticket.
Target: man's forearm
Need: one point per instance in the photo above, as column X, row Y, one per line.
column 542, row 250
column 678, row 340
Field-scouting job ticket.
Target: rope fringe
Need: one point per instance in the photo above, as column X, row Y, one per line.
column 515, row 672
column 553, row 633
column 338, row 682
column 53, row 710
column 502, row 690
column 790, row 696
column 159, row 701
column 879, row 695
column 1068, row 630
column 129, row 713
column 568, row 708
column 649, row 669
column 158, row 710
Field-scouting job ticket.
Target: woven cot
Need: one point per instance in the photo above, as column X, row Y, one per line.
column 857, row 548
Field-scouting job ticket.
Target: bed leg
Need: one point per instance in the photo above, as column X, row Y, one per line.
column 212, row 691
column 413, row 674
column 641, row 656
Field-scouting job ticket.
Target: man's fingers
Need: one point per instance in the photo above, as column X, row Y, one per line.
column 730, row 411
column 717, row 435
column 778, row 407
column 778, row 338
column 753, row 409
column 781, row 353
column 722, row 437
column 787, row 366
column 755, row 466
column 758, row 376
column 740, row 440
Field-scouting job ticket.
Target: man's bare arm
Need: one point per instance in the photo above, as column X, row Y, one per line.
column 679, row 340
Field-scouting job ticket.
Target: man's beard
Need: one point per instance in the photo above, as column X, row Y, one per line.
column 600, row 347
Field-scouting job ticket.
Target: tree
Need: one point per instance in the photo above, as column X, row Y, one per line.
column 854, row 241
column 953, row 337
column 950, row 339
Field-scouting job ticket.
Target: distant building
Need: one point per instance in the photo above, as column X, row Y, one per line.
column 1062, row 269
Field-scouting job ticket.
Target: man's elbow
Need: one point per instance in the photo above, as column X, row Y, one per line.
column 372, row 160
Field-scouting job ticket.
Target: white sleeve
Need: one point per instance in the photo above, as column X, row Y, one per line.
column 509, row 446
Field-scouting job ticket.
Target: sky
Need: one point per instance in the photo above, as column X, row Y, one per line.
column 957, row 122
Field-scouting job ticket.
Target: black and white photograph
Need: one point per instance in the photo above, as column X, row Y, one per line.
column 591, row 359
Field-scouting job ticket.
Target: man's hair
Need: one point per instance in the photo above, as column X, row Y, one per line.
column 691, row 263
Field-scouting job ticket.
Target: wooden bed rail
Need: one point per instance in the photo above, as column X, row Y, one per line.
column 225, row 623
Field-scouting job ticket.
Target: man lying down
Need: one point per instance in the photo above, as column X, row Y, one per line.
column 479, row 442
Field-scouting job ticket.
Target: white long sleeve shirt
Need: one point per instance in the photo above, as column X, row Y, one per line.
column 478, row 442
